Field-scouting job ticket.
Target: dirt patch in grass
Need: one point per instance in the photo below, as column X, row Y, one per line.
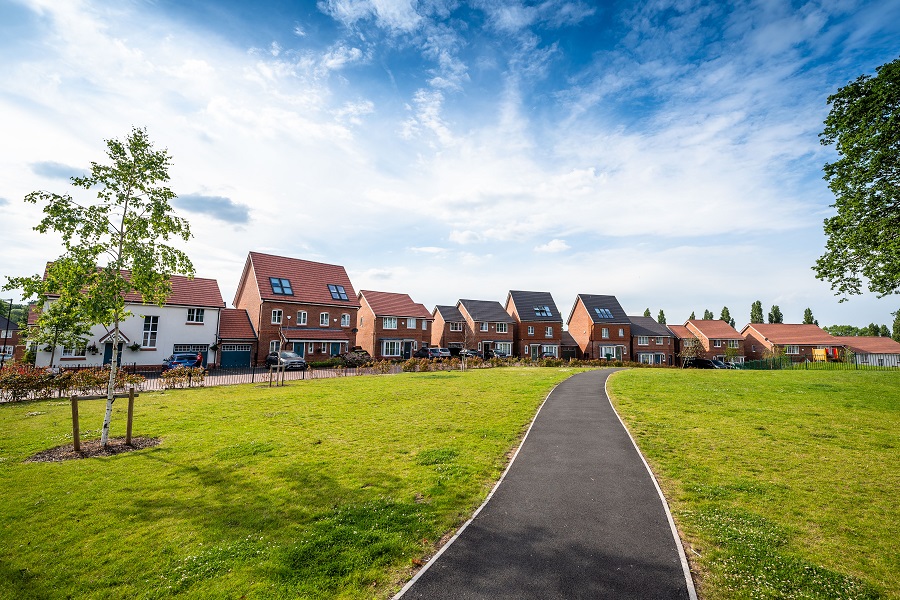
column 93, row 448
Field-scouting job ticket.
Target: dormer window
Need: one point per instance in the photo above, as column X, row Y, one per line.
column 542, row 311
column 603, row 313
column 337, row 292
column 282, row 287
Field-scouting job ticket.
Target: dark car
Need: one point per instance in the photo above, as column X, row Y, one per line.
column 720, row 364
column 499, row 354
column 699, row 363
column 182, row 359
column 465, row 352
column 290, row 360
column 421, row 353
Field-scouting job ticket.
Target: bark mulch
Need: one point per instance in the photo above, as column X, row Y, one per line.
column 93, row 448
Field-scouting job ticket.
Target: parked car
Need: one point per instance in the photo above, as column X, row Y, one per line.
column 356, row 357
column 438, row 353
column 465, row 352
column 182, row 359
column 548, row 355
column 720, row 364
column 421, row 353
column 699, row 363
column 290, row 360
column 499, row 354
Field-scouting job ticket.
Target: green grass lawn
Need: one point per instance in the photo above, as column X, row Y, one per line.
column 321, row 489
column 786, row 484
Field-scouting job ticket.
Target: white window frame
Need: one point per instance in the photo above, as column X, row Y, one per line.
column 389, row 322
column 643, row 340
column 424, row 325
column 274, row 346
column 311, row 347
column 324, row 319
column 67, row 352
column 345, row 320
column 410, row 323
column 531, row 330
column 503, row 347
column 659, row 340
column 195, row 315
column 151, row 330
column 548, row 332
column 604, row 333
column 455, row 326
column 391, row 348
column 717, row 343
column 301, row 317
column 733, row 343
column 621, row 332
column 554, row 350
column 277, row 316
column 501, row 327
column 792, row 350
column 484, row 326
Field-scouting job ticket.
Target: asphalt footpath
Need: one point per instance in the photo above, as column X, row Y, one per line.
column 577, row 515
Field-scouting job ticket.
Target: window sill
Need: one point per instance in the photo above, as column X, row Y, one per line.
column 193, row 323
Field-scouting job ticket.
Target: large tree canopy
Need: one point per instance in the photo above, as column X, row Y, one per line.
column 864, row 237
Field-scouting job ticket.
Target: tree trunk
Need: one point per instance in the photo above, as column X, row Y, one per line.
column 111, row 387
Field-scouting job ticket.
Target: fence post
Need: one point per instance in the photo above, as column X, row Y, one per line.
column 130, row 416
column 76, row 442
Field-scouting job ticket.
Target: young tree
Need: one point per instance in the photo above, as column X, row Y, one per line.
column 726, row 316
column 775, row 315
column 864, row 125
column 115, row 245
column 756, row 312
column 808, row 318
column 692, row 317
column 707, row 315
column 661, row 318
column 647, row 312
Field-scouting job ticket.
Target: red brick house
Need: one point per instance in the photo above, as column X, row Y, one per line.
column 9, row 339
column 651, row 343
column 682, row 337
column 391, row 325
column 600, row 327
column 298, row 305
column 719, row 339
column 538, row 325
column 761, row 340
column 488, row 327
column 448, row 329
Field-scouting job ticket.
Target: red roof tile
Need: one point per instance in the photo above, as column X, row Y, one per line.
column 793, row 334
column 234, row 324
column 389, row 304
column 715, row 329
column 870, row 345
column 681, row 332
column 309, row 280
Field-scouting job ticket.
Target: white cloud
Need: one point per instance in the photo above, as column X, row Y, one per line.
column 553, row 246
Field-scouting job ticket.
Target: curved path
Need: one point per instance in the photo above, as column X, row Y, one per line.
column 577, row 515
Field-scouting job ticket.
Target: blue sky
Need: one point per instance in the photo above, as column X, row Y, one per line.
column 664, row 152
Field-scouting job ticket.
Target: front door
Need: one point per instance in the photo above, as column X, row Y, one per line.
column 407, row 349
column 535, row 351
column 335, row 348
column 300, row 348
column 107, row 353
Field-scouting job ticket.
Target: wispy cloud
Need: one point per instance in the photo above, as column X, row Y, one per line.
column 55, row 170
column 218, row 207
column 553, row 246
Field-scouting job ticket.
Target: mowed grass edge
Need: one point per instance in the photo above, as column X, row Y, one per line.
column 320, row 489
column 783, row 483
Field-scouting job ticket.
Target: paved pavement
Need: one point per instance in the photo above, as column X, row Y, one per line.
column 577, row 515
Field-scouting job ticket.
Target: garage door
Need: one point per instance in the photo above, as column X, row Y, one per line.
column 233, row 356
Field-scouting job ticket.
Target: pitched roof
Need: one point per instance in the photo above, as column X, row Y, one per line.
column 681, row 332
column 715, row 329
column 389, row 304
column 308, row 281
column 486, row 311
column 788, row 333
column 449, row 313
column 189, row 292
column 566, row 339
column 649, row 327
column 234, row 324
column 598, row 306
column 6, row 324
column 534, row 306
column 869, row 344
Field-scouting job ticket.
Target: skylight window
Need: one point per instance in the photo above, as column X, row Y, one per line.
column 337, row 292
column 603, row 313
column 542, row 311
column 282, row 287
